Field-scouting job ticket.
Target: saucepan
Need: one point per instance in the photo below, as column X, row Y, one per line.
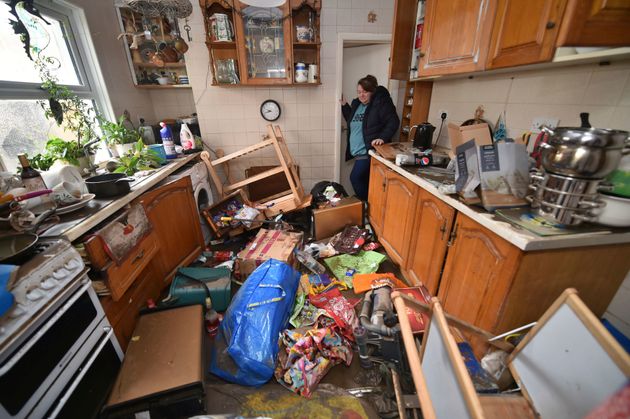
column 109, row 185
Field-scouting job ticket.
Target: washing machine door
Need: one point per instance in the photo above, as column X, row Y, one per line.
column 203, row 198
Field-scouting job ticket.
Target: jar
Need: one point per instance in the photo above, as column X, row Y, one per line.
column 301, row 73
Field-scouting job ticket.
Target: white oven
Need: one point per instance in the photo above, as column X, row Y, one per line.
column 64, row 365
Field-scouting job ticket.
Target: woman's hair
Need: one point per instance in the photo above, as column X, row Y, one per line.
column 369, row 83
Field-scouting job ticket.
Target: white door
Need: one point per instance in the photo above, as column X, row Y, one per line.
column 359, row 60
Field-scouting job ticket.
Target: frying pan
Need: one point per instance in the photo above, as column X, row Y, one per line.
column 109, row 185
column 14, row 248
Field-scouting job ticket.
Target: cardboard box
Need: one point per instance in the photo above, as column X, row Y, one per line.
column 268, row 244
column 459, row 135
column 331, row 220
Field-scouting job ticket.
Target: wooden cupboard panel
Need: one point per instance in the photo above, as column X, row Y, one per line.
column 403, row 32
column 431, row 230
column 596, row 272
column 174, row 216
column 596, row 23
column 421, row 102
column 376, row 195
column 524, row 32
column 478, row 273
column 401, row 197
column 457, row 35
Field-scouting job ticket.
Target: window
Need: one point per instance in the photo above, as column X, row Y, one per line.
column 23, row 126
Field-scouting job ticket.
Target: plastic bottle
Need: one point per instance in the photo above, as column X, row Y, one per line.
column 31, row 178
column 309, row 262
column 186, row 138
column 167, row 141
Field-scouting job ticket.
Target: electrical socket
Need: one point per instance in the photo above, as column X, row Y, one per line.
column 541, row 120
column 440, row 112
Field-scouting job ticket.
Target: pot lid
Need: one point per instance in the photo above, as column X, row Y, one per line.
column 591, row 137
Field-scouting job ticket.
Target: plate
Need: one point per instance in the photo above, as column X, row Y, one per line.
column 77, row 205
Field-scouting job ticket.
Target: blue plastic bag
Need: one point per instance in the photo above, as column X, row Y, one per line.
column 246, row 347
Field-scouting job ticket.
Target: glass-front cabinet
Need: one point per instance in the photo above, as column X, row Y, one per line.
column 266, row 36
column 254, row 46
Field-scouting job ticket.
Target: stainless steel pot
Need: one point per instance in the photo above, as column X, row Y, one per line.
column 587, row 153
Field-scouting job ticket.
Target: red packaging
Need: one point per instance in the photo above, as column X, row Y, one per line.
column 418, row 42
column 417, row 320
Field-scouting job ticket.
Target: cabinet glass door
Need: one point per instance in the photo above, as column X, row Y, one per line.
column 265, row 35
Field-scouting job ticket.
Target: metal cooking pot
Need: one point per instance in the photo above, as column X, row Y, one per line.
column 587, row 153
column 109, row 185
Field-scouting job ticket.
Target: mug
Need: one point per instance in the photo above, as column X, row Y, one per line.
column 66, row 193
column 221, row 28
column 304, row 34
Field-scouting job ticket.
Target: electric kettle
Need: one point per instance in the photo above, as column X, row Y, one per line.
column 423, row 138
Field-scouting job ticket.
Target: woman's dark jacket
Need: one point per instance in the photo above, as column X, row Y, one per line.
column 380, row 120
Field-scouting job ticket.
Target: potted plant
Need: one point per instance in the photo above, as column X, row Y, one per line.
column 139, row 158
column 60, row 149
column 118, row 137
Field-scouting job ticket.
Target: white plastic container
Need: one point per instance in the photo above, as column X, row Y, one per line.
column 186, row 138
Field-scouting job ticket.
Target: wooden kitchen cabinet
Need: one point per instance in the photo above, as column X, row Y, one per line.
column 403, row 31
column 595, row 23
column 173, row 213
column 515, row 43
column 477, row 274
column 376, row 195
column 430, row 234
column 401, row 196
column 456, row 36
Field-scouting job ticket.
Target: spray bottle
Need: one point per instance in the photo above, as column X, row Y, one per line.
column 167, row 141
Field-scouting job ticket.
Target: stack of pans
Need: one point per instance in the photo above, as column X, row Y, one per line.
column 575, row 163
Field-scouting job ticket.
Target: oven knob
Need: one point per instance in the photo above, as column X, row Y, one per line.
column 34, row 295
column 60, row 273
column 72, row 264
column 17, row 311
column 48, row 283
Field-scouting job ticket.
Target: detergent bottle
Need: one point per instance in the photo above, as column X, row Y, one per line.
column 167, row 141
column 186, row 138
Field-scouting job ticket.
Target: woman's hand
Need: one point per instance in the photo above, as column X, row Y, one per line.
column 377, row 141
column 343, row 101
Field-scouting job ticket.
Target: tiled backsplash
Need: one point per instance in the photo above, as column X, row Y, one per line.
column 562, row 93
column 230, row 117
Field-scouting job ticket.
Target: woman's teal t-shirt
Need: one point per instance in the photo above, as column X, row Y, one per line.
column 357, row 145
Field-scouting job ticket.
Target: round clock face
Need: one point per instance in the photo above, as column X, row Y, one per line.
column 270, row 110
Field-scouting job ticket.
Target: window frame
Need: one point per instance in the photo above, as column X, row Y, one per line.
column 83, row 54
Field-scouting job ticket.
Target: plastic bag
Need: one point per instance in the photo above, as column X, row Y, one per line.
column 246, row 348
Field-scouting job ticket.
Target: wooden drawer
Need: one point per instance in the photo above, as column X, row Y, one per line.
column 120, row 277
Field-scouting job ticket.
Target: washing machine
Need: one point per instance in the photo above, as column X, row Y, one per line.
column 200, row 179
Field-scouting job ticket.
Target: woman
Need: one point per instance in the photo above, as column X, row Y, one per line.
column 372, row 120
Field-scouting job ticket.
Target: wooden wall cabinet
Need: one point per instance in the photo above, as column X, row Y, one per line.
column 430, row 236
column 514, row 43
column 456, row 36
column 403, row 31
column 265, row 45
column 595, row 23
column 415, row 107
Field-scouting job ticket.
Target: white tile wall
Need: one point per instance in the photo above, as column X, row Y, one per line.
column 230, row 118
column 603, row 91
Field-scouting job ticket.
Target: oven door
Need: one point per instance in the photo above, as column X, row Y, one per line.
column 33, row 369
column 88, row 389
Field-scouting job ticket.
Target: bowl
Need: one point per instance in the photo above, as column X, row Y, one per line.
column 615, row 213
column 163, row 80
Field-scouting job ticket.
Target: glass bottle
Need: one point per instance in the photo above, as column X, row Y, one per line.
column 31, row 178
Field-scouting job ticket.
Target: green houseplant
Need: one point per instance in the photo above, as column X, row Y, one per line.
column 118, row 137
column 139, row 158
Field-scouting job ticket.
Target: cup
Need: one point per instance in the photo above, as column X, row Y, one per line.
column 304, row 34
column 66, row 193
column 312, row 73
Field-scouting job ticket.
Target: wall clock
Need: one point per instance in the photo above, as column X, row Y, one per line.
column 270, row 110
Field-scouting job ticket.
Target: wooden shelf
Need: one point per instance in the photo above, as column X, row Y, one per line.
column 163, row 86
column 166, row 65
column 258, row 85
column 221, row 45
column 306, row 45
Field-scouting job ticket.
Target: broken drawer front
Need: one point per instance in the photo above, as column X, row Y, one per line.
column 120, row 277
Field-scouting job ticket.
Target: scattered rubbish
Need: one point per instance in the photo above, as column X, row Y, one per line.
column 339, row 309
column 207, row 286
column 320, row 250
column 258, row 313
column 350, row 240
column 366, row 282
column 372, row 246
column 325, row 192
column 309, row 262
column 317, row 283
column 332, row 217
column 363, row 262
column 266, row 245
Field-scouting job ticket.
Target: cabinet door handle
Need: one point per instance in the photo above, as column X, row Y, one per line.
column 451, row 240
column 443, row 230
column 138, row 257
column 550, row 25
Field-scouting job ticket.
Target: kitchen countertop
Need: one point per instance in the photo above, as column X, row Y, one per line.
column 74, row 225
column 520, row 238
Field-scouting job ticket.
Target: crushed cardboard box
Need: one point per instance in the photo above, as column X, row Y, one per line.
column 269, row 244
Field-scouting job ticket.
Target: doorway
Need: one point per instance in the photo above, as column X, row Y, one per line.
column 358, row 54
